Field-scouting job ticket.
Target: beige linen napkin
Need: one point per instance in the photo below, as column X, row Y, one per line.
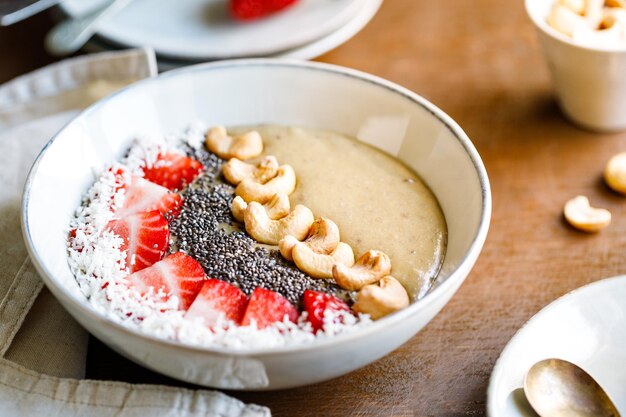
column 42, row 349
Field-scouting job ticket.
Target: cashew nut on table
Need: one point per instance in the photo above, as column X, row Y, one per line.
column 582, row 216
column 615, row 173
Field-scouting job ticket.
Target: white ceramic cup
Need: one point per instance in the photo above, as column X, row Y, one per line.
column 590, row 83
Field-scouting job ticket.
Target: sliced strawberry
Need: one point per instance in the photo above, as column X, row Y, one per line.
column 177, row 275
column 254, row 9
column 218, row 297
column 173, row 171
column 316, row 304
column 145, row 235
column 143, row 195
column 266, row 307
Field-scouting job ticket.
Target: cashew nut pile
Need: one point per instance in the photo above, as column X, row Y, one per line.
column 590, row 21
column 314, row 245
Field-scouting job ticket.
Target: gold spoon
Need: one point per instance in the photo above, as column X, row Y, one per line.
column 558, row 388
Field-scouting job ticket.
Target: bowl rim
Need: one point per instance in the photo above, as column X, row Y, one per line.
column 456, row 275
column 542, row 26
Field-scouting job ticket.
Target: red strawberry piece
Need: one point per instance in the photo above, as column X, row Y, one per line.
column 145, row 235
column 254, row 9
column 143, row 196
column 218, row 297
column 177, row 275
column 72, row 240
column 173, row 171
column 266, row 307
column 317, row 303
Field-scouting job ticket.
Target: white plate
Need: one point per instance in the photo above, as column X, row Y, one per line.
column 309, row 51
column 203, row 29
column 314, row 49
column 586, row 327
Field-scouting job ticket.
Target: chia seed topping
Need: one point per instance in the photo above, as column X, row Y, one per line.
column 206, row 230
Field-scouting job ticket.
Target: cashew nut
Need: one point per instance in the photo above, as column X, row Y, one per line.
column 615, row 3
column 323, row 238
column 369, row 268
column 382, row 299
column 594, row 12
column 283, row 183
column 566, row 21
column 245, row 146
column 582, row 216
column 277, row 208
column 320, row 265
column 263, row 229
column 609, row 21
column 236, row 170
column 577, row 6
column 615, row 173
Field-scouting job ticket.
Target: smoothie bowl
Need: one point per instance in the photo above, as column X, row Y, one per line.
column 257, row 224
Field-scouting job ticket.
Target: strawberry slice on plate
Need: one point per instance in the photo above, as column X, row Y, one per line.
column 218, row 298
column 143, row 195
column 177, row 275
column 266, row 307
column 173, row 171
column 316, row 304
column 145, row 235
column 254, row 9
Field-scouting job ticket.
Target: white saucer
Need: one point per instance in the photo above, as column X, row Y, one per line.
column 368, row 10
column 329, row 42
column 203, row 29
column 586, row 326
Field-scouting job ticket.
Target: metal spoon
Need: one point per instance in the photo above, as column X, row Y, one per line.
column 558, row 388
column 70, row 35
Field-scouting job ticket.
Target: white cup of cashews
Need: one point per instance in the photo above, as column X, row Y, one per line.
column 587, row 65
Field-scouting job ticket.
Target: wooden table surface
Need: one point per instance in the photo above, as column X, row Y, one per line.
column 480, row 62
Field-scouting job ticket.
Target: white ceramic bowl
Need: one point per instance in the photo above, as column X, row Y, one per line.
column 252, row 92
column 589, row 82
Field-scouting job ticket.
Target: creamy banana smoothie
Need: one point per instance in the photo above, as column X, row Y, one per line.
column 377, row 202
